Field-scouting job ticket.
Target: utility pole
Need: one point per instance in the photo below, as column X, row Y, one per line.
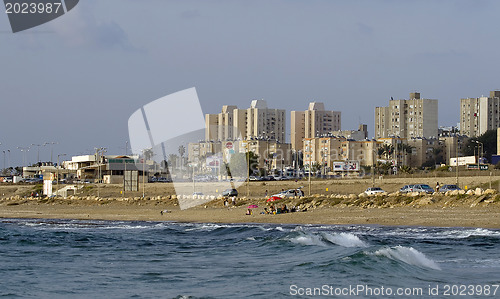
column 373, row 167
column 57, row 176
column 456, row 160
column 143, row 176
column 248, row 168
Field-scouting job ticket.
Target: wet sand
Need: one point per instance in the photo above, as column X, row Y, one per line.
column 434, row 215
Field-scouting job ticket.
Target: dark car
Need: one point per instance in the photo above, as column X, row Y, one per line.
column 423, row 188
column 230, row 192
column 449, row 188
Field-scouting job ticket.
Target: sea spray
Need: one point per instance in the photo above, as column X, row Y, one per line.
column 408, row 255
column 344, row 239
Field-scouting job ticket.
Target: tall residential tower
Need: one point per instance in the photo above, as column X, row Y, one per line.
column 410, row 118
column 314, row 122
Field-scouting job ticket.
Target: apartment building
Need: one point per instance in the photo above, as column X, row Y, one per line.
column 363, row 151
column 258, row 121
column 478, row 115
column 410, row 118
column 314, row 122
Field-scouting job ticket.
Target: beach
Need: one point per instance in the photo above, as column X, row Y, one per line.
column 443, row 213
column 343, row 204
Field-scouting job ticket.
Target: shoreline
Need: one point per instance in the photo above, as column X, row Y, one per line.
column 435, row 216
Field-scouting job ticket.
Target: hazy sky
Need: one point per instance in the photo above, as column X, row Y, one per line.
column 76, row 80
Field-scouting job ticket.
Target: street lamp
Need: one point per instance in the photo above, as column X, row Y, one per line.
column 38, row 150
column 24, row 151
column 480, row 146
column 98, row 151
column 4, row 160
column 57, row 169
column 51, row 148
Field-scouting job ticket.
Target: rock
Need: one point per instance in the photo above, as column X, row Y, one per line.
column 478, row 200
column 478, row 191
column 455, row 192
column 424, row 201
column 414, row 194
column 353, row 196
column 394, row 194
column 470, row 192
column 174, row 196
column 490, row 191
column 461, row 192
column 362, row 195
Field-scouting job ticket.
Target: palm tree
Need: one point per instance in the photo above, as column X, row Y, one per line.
column 148, row 154
column 405, row 149
column 387, row 150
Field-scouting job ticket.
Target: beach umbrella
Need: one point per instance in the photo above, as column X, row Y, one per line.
column 273, row 198
column 253, row 206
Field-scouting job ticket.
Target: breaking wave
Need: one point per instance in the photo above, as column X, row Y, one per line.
column 408, row 255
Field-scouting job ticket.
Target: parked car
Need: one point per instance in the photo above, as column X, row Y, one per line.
column 406, row 189
column 373, row 191
column 290, row 193
column 230, row 192
column 423, row 188
column 445, row 188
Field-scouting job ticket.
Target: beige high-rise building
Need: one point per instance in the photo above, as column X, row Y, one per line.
column 410, row 118
column 314, row 122
column 258, row 121
column 478, row 115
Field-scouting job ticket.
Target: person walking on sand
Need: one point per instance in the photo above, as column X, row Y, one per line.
column 265, row 194
column 437, row 187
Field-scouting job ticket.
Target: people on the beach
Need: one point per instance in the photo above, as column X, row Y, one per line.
column 249, row 212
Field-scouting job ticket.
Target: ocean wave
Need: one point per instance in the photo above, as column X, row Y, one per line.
column 439, row 233
column 308, row 239
column 344, row 239
column 408, row 255
column 325, row 239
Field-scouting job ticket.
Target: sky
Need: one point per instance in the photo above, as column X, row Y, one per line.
column 77, row 79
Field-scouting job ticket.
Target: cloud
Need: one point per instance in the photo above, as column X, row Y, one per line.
column 80, row 28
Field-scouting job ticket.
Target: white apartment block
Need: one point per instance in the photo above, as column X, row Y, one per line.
column 258, row 121
column 478, row 115
column 314, row 122
column 412, row 118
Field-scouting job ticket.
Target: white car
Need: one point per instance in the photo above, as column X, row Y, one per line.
column 373, row 191
column 290, row 193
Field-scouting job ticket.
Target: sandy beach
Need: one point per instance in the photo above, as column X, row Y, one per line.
column 341, row 205
column 445, row 212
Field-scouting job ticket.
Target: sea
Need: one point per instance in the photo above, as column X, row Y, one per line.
column 136, row 259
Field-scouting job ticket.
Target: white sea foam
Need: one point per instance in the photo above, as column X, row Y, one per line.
column 308, row 239
column 344, row 239
column 206, row 227
column 408, row 255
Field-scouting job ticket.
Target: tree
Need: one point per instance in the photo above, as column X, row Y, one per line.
column 437, row 155
column 148, row 153
column 405, row 149
column 386, row 150
column 489, row 141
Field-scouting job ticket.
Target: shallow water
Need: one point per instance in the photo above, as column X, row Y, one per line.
column 119, row 259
